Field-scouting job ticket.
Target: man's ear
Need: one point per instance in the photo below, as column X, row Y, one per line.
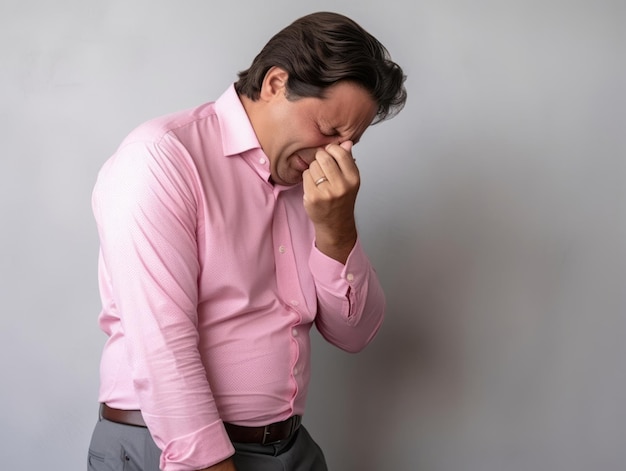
column 274, row 84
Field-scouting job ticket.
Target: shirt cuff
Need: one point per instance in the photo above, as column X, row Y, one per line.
column 334, row 275
column 198, row 450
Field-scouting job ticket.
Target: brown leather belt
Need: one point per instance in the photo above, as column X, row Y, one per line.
column 125, row 417
column 272, row 433
column 267, row 435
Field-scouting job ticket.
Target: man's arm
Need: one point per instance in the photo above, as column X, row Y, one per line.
column 351, row 302
column 144, row 207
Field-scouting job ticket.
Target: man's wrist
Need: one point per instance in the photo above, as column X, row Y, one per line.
column 226, row 465
column 336, row 245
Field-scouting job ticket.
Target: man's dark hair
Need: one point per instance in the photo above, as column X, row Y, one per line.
column 321, row 49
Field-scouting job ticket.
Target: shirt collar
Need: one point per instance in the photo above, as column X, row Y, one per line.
column 238, row 135
column 239, row 138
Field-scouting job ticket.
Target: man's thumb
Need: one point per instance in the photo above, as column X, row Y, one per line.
column 347, row 145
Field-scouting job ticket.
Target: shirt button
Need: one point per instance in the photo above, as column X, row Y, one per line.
column 294, row 332
column 294, row 302
column 282, row 249
column 350, row 277
column 262, row 161
column 296, row 371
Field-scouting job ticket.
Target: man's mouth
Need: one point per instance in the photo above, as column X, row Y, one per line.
column 299, row 163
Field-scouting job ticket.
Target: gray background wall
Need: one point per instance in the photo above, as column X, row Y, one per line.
column 492, row 207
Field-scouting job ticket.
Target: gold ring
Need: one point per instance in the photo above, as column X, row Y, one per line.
column 320, row 180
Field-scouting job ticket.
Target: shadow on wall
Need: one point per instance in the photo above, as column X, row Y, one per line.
column 472, row 277
column 414, row 369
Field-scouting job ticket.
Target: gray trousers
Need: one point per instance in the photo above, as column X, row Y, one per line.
column 117, row 447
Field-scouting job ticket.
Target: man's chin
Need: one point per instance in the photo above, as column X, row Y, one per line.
column 293, row 178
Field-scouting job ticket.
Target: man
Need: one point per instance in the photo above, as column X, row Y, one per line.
column 226, row 231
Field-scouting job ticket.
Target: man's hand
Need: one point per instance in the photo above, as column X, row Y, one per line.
column 226, row 465
column 331, row 184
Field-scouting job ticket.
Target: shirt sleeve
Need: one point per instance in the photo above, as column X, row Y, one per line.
column 351, row 302
column 145, row 206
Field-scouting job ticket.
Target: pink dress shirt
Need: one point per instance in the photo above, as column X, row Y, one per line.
column 210, row 282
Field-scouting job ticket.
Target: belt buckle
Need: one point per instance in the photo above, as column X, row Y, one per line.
column 266, row 433
column 294, row 423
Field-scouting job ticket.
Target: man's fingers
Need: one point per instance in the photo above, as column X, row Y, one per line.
column 336, row 160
